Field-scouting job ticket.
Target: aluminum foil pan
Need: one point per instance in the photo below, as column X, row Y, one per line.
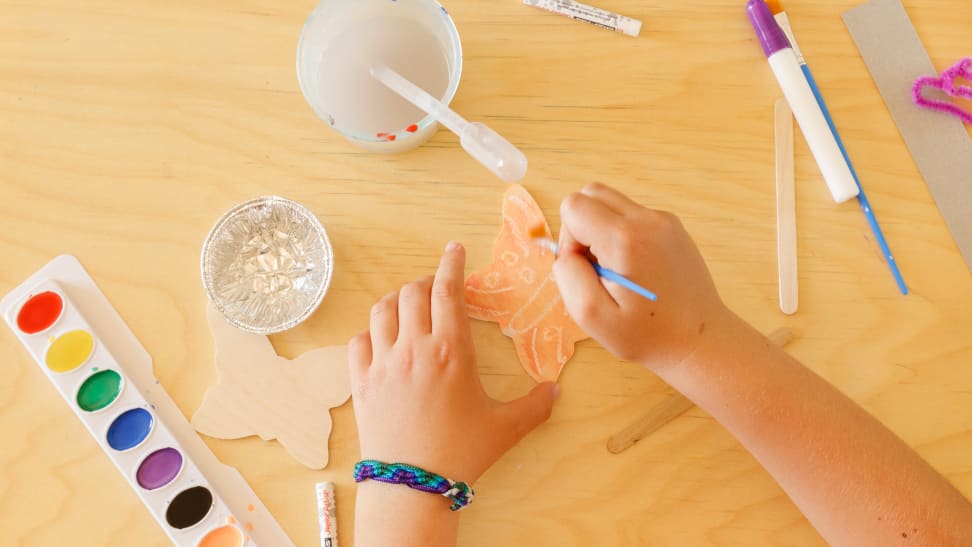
column 266, row 264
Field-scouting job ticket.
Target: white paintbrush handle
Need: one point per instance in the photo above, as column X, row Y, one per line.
column 814, row 126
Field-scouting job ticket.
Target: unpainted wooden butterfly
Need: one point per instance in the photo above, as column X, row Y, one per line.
column 260, row 393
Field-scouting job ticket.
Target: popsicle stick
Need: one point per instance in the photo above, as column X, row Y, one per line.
column 674, row 405
column 786, row 238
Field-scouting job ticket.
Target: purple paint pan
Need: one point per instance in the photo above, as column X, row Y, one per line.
column 159, row 468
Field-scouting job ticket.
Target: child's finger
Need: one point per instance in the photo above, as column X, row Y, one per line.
column 448, row 301
column 360, row 352
column 384, row 323
column 567, row 243
column 590, row 222
column 611, row 197
column 587, row 300
column 534, row 408
column 414, row 309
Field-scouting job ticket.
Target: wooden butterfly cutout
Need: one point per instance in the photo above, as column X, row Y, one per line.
column 260, row 393
column 518, row 291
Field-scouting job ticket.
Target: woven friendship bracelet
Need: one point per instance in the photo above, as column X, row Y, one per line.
column 416, row 478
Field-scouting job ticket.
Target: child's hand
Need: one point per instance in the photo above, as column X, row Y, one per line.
column 416, row 391
column 652, row 249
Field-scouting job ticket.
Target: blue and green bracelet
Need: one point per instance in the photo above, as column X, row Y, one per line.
column 416, row 478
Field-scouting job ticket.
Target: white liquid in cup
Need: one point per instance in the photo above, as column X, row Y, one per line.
column 361, row 103
column 343, row 39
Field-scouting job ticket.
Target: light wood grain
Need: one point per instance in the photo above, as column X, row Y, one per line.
column 125, row 131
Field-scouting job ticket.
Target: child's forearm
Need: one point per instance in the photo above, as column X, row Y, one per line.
column 855, row 481
column 393, row 515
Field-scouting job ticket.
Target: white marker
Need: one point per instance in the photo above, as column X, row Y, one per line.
column 786, row 67
column 326, row 514
column 590, row 14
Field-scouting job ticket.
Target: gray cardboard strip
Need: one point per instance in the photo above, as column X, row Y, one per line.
column 939, row 143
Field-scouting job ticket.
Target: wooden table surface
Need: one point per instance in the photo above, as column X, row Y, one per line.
column 126, row 130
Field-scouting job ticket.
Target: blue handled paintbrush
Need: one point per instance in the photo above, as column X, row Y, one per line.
column 780, row 15
column 538, row 237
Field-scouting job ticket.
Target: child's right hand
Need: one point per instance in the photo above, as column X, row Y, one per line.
column 652, row 249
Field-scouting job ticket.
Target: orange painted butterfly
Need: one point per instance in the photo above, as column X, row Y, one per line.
column 517, row 291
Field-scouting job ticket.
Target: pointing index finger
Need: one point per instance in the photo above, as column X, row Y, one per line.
column 448, row 299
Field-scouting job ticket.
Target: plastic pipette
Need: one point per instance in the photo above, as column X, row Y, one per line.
column 481, row 142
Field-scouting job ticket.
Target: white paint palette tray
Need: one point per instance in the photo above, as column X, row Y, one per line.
column 98, row 366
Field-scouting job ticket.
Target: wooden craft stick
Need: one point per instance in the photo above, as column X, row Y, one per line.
column 674, row 405
column 786, row 237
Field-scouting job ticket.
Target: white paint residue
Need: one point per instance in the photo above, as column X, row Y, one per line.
column 519, row 232
column 561, row 356
column 489, row 291
column 491, row 280
column 543, row 314
column 536, row 356
column 477, row 310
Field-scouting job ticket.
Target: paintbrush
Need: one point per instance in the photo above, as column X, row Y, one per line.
column 779, row 14
column 539, row 237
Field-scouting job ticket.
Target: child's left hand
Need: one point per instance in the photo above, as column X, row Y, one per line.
column 417, row 394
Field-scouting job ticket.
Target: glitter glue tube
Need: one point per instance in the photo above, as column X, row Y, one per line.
column 786, row 67
column 589, row 14
column 326, row 515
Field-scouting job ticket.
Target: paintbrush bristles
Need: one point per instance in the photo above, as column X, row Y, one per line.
column 775, row 6
column 538, row 234
column 546, row 243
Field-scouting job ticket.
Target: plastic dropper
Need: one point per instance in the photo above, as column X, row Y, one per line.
column 481, row 142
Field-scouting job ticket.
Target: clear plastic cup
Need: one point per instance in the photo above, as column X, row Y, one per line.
column 340, row 42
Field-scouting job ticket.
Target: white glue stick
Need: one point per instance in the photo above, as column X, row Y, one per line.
column 326, row 514
column 590, row 14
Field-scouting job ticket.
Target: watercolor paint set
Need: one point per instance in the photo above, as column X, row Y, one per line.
column 97, row 365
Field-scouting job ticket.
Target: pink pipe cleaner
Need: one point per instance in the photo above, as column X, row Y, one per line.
column 947, row 83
